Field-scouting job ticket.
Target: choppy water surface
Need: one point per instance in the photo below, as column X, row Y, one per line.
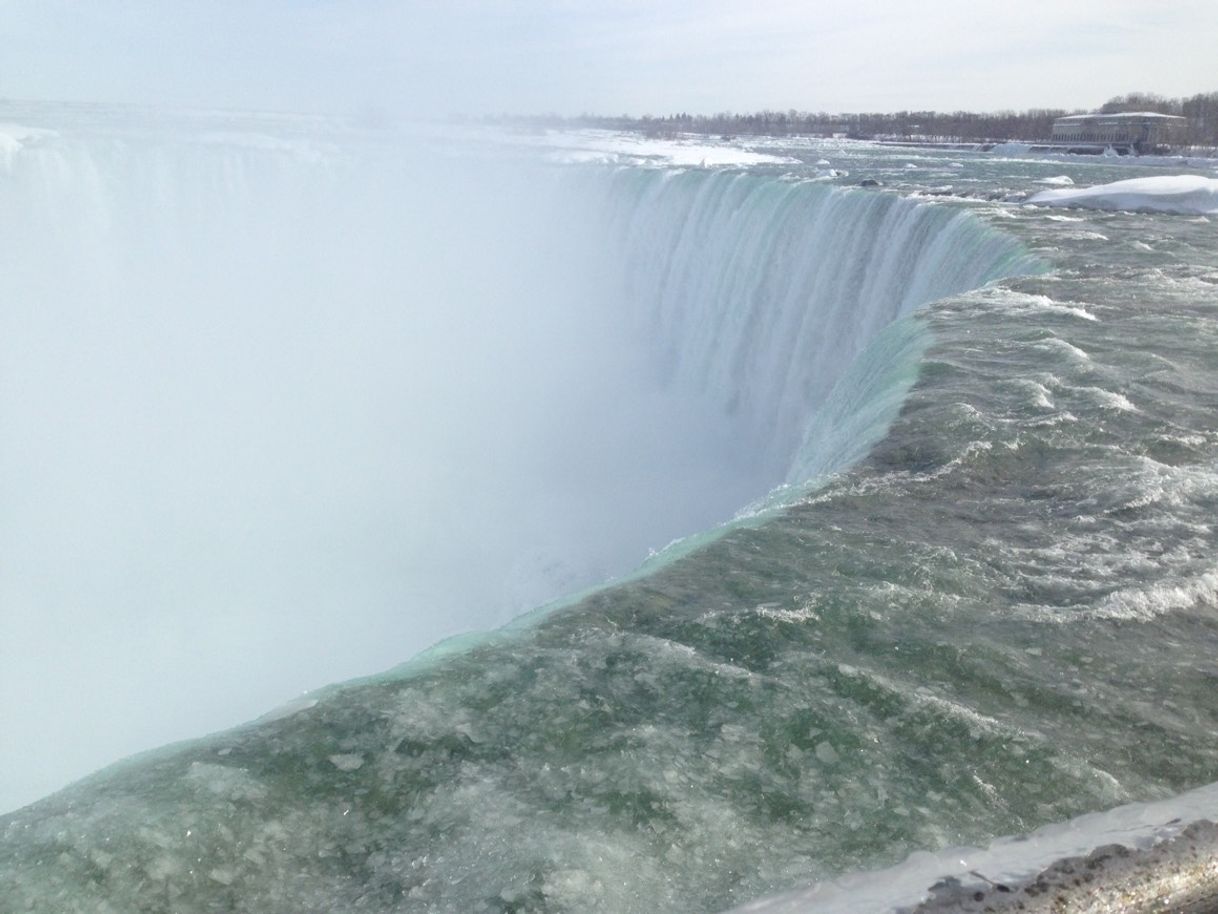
column 1005, row 615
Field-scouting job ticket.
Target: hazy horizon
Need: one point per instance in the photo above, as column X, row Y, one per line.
column 473, row 57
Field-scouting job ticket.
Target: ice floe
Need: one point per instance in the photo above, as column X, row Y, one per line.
column 1188, row 194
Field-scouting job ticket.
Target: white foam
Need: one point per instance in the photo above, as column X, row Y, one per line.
column 1038, row 394
column 1174, row 486
column 1069, row 349
column 793, row 616
column 1107, row 399
column 1141, row 604
column 1024, row 302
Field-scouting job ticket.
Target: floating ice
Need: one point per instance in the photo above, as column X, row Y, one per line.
column 1187, row 194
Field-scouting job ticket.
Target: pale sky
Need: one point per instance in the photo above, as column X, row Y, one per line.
column 607, row 57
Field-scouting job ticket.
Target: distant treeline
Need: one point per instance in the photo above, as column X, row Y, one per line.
column 958, row 126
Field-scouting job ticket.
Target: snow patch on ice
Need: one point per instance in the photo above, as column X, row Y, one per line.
column 582, row 146
column 1141, row 604
column 1186, row 194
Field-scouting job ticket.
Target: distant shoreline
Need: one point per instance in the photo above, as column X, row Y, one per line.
column 963, row 129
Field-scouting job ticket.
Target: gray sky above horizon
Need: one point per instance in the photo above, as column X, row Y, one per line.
column 608, row 57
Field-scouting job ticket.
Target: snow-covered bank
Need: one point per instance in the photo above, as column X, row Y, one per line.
column 615, row 147
column 1188, row 194
column 1013, row 860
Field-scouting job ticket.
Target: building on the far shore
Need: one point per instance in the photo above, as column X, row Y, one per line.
column 1136, row 132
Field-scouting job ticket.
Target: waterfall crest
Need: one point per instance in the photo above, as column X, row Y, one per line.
column 760, row 293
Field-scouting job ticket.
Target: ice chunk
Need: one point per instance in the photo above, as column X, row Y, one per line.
column 1189, row 194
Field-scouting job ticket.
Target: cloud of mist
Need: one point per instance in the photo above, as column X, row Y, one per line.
column 279, row 412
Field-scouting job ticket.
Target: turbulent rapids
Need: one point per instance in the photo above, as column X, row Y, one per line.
column 970, row 594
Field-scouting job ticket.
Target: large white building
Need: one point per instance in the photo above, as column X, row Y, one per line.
column 1136, row 131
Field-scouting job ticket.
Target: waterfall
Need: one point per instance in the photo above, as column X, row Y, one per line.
column 760, row 293
column 282, row 408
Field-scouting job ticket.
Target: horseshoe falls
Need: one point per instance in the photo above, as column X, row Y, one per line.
column 266, row 389
column 699, row 534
